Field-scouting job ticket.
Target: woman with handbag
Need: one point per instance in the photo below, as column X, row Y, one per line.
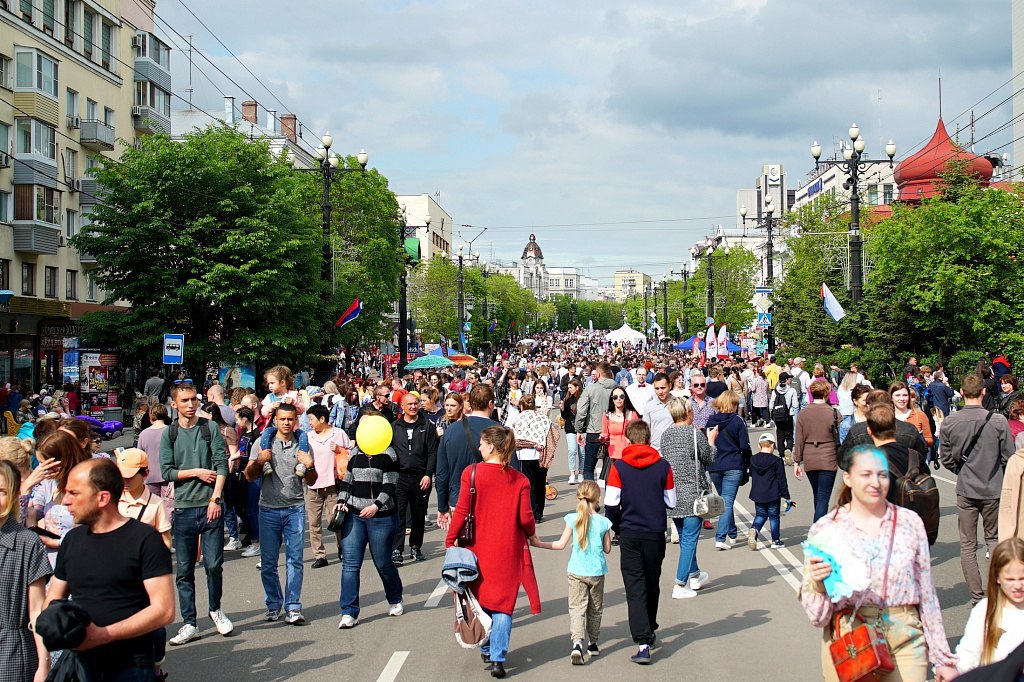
column 494, row 520
column 815, row 446
column 689, row 452
column 732, row 461
column 886, row 602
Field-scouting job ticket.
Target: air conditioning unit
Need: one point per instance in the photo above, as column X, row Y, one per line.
column 137, row 111
column 5, row 160
column 74, row 122
column 137, row 41
column 62, row 240
column 73, row 184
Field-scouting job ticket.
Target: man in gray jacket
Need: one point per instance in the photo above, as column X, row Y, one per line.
column 976, row 444
column 590, row 409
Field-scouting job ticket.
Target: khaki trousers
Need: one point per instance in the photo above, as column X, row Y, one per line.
column 317, row 500
column 586, row 604
column 903, row 632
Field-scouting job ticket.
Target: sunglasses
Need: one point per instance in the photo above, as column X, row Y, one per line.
column 697, row 385
column 618, row 397
column 178, row 382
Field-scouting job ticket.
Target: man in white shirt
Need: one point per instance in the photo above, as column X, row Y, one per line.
column 640, row 392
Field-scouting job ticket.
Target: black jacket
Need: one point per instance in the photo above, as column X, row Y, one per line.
column 419, row 455
column 906, row 434
column 768, row 478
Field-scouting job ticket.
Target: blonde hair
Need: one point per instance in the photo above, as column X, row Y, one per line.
column 11, row 477
column 587, row 495
column 679, row 409
column 727, row 402
column 17, row 451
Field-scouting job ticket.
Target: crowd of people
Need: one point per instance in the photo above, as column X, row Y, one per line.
column 657, row 451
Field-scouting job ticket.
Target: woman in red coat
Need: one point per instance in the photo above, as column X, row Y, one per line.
column 504, row 521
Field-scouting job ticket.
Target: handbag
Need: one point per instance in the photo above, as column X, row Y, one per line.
column 708, row 503
column 467, row 534
column 337, row 519
column 472, row 624
column 602, row 456
column 862, row 654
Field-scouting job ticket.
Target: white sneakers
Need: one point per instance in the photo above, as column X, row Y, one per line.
column 232, row 545
column 723, row 546
column 683, row 592
column 347, row 623
column 699, row 581
column 224, row 625
column 186, row 634
column 251, row 550
column 752, row 539
column 572, row 479
column 396, row 609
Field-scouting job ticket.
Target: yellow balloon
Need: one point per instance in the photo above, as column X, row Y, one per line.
column 373, row 435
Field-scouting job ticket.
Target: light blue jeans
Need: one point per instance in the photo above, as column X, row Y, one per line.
column 688, row 528
column 575, row 453
column 288, row 525
column 728, row 484
column 496, row 647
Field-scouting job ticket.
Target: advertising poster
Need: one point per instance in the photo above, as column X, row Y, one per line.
column 71, row 373
column 97, row 379
column 237, row 375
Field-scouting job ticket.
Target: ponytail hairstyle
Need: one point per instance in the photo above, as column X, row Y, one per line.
column 1005, row 553
column 282, row 374
column 588, row 495
column 502, row 440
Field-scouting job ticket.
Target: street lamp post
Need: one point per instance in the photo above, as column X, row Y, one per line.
column 487, row 313
column 462, row 301
column 768, row 223
column 664, row 303
column 706, row 248
column 853, row 164
column 328, row 166
column 654, row 307
column 645, row 308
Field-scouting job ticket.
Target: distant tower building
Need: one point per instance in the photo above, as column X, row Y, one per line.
column 532, row 273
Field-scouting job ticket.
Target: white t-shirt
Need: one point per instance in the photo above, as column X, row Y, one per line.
column 969, row 648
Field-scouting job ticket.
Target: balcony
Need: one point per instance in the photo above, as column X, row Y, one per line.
column 90, row 191
column 97, row 135
column 149, row 120
column 32, row 236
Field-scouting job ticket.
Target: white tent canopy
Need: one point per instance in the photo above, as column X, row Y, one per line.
column 625, row 333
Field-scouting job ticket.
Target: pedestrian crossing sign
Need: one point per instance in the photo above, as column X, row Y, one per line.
column 764, row 319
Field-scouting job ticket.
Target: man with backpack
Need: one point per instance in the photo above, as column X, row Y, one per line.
column 782, row 405
column 801, row 381
column 976, row 445
column 193, row 457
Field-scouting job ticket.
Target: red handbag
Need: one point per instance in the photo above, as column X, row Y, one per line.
column 862, row 654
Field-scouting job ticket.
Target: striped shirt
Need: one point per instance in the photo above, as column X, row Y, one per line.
column 370, row 480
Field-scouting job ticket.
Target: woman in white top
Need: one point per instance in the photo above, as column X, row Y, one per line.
column 846, row 406
column 996, row 625
column 515, row 394
column 541, row 398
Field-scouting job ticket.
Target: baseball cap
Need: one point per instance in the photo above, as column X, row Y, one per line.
column 784, row 376
column 131, row 460
column 766, row 438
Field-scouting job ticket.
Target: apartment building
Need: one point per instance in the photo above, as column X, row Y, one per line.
column 77, row 77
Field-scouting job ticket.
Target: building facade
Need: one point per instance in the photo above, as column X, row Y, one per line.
column 435, row 237
column 76, row 78
column 530, row 272
column 565, row 282
column 629, row 282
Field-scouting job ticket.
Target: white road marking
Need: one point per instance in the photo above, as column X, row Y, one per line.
column 435, row 597
column 943, row 478
column 394, row 666
column 786, row 554
column 744, row 520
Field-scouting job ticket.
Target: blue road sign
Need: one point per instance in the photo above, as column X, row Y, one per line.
column 174, row 349
column 764, row 319
column 766, row 291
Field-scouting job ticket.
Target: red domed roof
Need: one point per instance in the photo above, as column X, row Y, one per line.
column 917, row 176
column 532, row 249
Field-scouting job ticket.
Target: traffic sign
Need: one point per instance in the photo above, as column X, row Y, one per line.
column 762, row 303
column 174, row 349
column 767, row 291
column 709, row 321
column 764, row 319
column 466, row 326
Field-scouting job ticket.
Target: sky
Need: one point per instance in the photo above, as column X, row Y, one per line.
column 617, row 132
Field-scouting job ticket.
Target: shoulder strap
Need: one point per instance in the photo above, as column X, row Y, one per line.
column 474, row 448
column 172, row 432
column 974, row 441
column 892, row 539
column 472, row 490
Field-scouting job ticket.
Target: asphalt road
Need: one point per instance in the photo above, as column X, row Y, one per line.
column 745, row 624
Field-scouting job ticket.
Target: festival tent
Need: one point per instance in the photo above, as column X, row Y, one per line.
column 625, row 333
column 688, row 345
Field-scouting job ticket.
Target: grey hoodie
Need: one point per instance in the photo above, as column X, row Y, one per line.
column 593, row 404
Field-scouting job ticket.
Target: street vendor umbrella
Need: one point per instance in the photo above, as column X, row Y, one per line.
column 462, row 359
column 429, row 362
column 529, row 342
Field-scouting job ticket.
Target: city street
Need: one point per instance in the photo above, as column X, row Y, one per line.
column 745, row 624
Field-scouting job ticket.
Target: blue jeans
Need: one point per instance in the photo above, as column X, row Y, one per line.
column 727, row 483
column 230, row 519
column 252, row 508
column 574, row 452
column 688, row 528
column 770, row 513
column 379, row 533
column 496, row 647
column 190, row 525
column 590, row 455
column 287, row 524
column 821, row 484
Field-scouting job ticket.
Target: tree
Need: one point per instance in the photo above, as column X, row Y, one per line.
column 209, row 237
column 433, row 296
column 733, row 274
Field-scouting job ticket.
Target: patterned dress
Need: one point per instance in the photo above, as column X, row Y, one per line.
column 22, row 562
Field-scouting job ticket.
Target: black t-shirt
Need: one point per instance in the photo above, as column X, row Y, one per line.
column 716, row 388
column 105, row 574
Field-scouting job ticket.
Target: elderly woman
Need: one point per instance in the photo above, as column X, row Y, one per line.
column 815, row 445
column 689, row 452
column 536, row 442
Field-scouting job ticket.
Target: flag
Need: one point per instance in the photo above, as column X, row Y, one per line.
column 723, row 343
column 710, row 343
column 462, row 340
column 350, row 314
column 832, row 307
column 679, row 326
column 444, row 345
column 494, row 323
column 511, row 326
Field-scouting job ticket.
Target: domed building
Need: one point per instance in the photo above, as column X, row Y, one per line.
column 531, row 272
column 918, row 176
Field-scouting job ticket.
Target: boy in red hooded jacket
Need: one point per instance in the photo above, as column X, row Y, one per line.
column 639, row 490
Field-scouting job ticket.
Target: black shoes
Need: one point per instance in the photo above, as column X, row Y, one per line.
column 396, row 558
column 319, row 563
column 417, row 554
column 497, row 670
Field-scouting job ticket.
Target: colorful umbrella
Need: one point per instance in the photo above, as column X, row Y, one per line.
column 429, row 362
column 462, row 359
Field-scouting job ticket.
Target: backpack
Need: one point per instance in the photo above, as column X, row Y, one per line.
column 798, row 386
column 918, row 492
column 780, row 413
column 172, row 432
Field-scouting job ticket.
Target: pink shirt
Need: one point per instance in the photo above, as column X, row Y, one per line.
column 910, row 575
column 322, row 445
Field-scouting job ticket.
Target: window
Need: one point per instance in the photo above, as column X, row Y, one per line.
column 50, row 282
column 70, row 163
column 90, row 288
column 6, row 79
column 5, row 137
column 106, row 43
column 48, row 19
column 887, row 194
column 873, row 194
column 150, row 95
column 5, row 207
column 92, row 108
column 69, row 23
column 72, row 285
column 26, row 10
column 47, row 205
column 72, row 102
column 108, row 116
column 155, row 50
column 28, row 279
column 568, row 284
column 89, row 20
column 36, row 71
column 71, row 224
column 35, row 137
column 554, row 284
column 5, row 273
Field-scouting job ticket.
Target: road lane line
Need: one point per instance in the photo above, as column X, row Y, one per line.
column 786, row 554
column 435, row 597
column 786, row 571
column 942, row 478
column 394, row 666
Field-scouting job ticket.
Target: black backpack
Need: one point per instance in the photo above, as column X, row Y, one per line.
column 172, row 432
column 918, row 492
column 780, row 413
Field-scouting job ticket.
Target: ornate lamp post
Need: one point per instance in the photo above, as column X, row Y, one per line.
column 706, row 248
column 404, row 232
column 768, row 223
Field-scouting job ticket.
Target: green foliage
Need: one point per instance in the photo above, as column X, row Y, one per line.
column 734, row 274
column 209, row 237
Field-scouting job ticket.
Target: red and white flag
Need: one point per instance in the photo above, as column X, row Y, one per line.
column 723, row 343
column 710, row 343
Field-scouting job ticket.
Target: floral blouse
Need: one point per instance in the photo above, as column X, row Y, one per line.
column 910, row 575
column 55, row 515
